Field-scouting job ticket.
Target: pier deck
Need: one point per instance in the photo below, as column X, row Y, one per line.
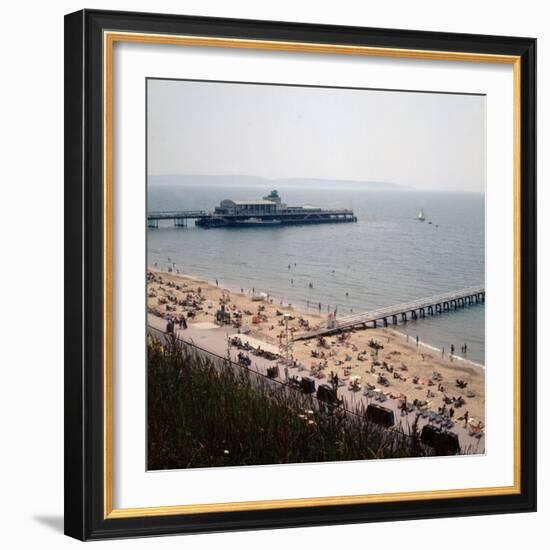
column 284, row 217
column 180, row 217
column 431, row 305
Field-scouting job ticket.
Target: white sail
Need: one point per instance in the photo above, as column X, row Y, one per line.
column 421, row 216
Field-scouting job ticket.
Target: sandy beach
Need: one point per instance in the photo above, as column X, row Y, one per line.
column 399, row 367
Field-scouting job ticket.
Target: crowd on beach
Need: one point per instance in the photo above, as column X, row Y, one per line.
column 371, row 361
column 444, row 416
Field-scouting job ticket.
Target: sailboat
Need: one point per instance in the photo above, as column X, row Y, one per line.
column 421, row 216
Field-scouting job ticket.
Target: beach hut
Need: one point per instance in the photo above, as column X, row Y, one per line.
column 380, row 415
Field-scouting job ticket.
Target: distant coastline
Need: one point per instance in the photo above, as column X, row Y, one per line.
column 234, row 179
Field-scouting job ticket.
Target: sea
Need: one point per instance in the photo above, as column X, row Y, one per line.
column 386, row 258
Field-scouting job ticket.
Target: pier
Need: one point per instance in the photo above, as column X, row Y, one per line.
column 417, row 309
column 179, row 217
column 290, row 217
column 267, row 212
column 206, row 219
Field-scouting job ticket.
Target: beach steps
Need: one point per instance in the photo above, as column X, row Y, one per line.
column 450, row 301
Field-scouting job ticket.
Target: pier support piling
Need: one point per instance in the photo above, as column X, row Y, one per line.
column 180, row 222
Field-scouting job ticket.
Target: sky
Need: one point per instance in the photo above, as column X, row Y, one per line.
column 428, row 141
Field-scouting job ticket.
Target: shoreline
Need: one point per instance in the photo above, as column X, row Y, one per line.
column 312, row 312
column 430, row 347
column 237, row 290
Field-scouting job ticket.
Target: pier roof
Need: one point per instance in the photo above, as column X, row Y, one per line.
column 242, row 202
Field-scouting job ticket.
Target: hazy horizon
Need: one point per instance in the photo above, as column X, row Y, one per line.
column 253, row 180
column 401, row 140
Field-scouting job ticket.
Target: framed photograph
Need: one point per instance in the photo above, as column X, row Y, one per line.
column 300, row 274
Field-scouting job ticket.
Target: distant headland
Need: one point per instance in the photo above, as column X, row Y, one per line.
column 235, row 179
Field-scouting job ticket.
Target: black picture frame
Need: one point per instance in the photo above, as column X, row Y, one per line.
column 84, row 282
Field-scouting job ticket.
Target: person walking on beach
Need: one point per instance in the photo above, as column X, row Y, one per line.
column 417, row 340
column 465, row 348
column 216, row 282
column 443, row 351
column 452, row 349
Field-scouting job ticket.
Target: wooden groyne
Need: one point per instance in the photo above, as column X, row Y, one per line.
column 416, row 309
